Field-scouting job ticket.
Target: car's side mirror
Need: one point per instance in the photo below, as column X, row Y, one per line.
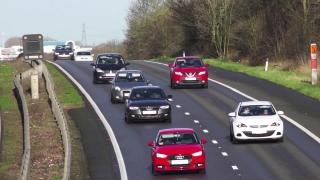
column 148, row 81
column 92, row 64
column 170, row 65
column 203, row 141
column 151, row 143
column 233, row 114
column 169, row 96
column 127, row 63
column 125, row 97
column 206, row 65
column 280, row 112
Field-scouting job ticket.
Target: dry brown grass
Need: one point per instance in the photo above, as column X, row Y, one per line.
column 47, row 156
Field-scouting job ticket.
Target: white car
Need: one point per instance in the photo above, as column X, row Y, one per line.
column 83, row 56
column 255, row 120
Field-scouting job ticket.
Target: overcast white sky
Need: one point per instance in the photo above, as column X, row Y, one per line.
column 62, row 19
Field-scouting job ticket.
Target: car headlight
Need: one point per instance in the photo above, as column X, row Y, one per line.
column 164, row 107
column 202, row 72
column 197, row 153
column 161, row 155
column 277, row 123
column 178, row 73
column 240, row 125
column 70, row 53
column 99, row 70
column 133, row 108
column 117, row 88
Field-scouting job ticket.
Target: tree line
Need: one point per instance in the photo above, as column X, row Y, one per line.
column 233, row 29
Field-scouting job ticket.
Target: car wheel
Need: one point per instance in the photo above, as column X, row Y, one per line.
column 280, row 140
column 155, row 173
column 172, row 85
column 128, row 121
column 167, row 120
column 112, row 99
column 202, row 171
column 95, row 81
column 234, row 140
column 205, row 86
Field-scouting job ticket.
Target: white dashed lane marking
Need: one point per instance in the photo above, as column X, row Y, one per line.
column 224, row 154
column 196, row 121
column 234, row 167
column 206, row 131
column 214, row 142
column 178, row 106
column 187, row 113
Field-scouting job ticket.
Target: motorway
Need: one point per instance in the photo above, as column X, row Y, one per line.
column 206, row 110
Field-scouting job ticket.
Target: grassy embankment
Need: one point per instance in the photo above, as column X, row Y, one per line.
column 298, row 79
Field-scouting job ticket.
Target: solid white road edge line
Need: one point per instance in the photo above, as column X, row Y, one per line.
column 122, row 167
column 316, row 138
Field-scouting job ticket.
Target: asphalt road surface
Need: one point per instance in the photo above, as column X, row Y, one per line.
column 206, row 110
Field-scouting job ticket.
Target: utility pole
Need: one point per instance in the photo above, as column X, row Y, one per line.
column 84, row 39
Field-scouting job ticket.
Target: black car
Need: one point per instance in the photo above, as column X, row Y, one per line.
column 124, row 81
column 106, row 66
column 147, row 103
column 63, row 52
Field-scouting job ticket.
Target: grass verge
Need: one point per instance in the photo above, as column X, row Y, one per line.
column 298, row 79
column 70, row 99
column 12, row 137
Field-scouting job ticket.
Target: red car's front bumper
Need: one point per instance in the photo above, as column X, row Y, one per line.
column 185, row 80
column 165, row 165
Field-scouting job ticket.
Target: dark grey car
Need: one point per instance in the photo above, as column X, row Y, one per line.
column 123, row 82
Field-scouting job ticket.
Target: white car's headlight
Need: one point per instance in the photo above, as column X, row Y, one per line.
column 161, row 155
column 178, row 73
column 164, row 107
column 133, row 108
column 277, row 123
column 71, row 53
column 99, row 70
column 240, row 125
column 202, row 72
column 197, row 153
column 117, row 88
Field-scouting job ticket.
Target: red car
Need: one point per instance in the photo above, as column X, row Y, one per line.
column 189, row 70
column 177, row 149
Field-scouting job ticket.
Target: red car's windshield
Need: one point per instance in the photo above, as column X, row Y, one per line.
column 177, row 138
column 189, row 63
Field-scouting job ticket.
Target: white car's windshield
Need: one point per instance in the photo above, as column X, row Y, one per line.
column 256, row 110
column 177, row 138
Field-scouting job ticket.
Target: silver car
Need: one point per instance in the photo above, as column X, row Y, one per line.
column 123, row 81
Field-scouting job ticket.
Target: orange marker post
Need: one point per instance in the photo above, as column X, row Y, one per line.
column 313, row 49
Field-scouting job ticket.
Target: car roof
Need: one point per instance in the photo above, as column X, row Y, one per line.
column 106, row 54
column 176, row 130
column 188, row 57
column 248, row 103
column 146, row 87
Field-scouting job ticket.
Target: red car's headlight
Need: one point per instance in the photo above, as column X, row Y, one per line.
column 178, row 73
column 161, row 155
column 202, row 72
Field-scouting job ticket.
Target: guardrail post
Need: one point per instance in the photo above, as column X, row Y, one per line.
column 184, row 54
column 34, row 84
column 267, row 63
column 314, row 64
